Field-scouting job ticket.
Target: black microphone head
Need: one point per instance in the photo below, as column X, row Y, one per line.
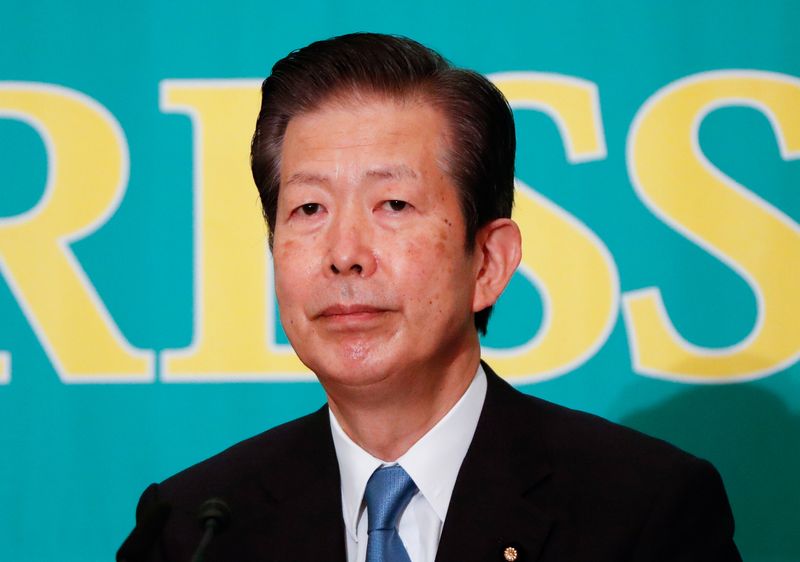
column 216, row 511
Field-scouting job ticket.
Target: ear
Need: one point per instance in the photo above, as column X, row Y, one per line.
column 498, row 250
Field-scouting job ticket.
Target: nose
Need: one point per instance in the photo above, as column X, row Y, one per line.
column 351, row 248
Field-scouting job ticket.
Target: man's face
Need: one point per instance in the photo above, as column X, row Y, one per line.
column 371, row 272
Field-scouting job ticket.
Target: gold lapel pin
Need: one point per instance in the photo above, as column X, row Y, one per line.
column 510, row 554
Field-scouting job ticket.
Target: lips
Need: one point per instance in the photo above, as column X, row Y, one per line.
column 349, row 310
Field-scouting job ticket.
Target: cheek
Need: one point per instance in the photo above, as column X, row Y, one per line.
column 430, row 263
column 290, row 267
column 293, row 257
column 281, row 260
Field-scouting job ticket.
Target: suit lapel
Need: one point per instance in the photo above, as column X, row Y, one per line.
column 493, row 506
column 308, row 499
column 506, row 466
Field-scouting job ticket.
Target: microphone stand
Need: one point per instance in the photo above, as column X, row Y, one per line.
column 214, row 515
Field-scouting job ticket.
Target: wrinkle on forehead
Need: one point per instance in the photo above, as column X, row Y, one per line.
column 390, row 172
column 360, row 96
column 361, row 152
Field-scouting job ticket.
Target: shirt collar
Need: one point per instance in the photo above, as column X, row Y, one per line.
column 432, row 462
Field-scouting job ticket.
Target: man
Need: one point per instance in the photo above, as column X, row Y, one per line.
column 386, row 178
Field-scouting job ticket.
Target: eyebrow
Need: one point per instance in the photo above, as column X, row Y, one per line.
column 401, row 171
column 308, row 178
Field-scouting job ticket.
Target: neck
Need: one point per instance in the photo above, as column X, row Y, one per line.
column 387, row 419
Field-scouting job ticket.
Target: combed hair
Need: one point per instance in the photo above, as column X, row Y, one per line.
column 482, row 142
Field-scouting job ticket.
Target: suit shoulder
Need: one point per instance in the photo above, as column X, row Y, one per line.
column 579, row 439
column 266, row 457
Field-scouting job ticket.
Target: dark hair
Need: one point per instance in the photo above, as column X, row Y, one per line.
column 480, row 156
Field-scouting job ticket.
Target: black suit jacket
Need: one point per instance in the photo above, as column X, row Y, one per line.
column 556, row 484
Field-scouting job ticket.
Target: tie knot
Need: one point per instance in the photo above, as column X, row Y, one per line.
column 388, row 492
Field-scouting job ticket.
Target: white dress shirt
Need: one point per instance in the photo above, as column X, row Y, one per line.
column 432, row 462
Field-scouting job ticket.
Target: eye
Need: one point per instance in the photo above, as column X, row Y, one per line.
column 396, row 205
column 310, row 208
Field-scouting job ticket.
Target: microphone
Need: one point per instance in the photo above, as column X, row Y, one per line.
column 214, row 515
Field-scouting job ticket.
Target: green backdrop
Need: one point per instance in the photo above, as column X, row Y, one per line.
column 716, row 233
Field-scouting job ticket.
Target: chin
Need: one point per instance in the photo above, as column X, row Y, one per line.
column 353, row 368
column 344, row 353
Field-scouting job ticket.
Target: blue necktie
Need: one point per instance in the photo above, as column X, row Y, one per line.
column 388, row 492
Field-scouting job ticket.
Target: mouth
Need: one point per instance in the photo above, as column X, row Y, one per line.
column 351, row 318
column 350, row 310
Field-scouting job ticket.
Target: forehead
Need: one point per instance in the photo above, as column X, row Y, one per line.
column 401, row 134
